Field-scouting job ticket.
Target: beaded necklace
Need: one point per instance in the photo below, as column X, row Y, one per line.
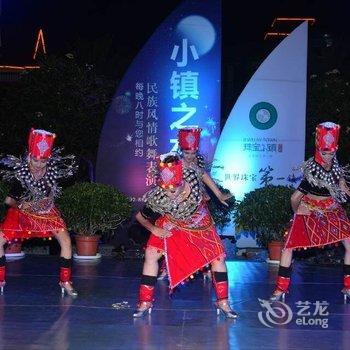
column 159, row 202
column 47, row 186
column 316, row 175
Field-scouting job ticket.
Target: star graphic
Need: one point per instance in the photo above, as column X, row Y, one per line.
column 210, row 122
column 128, row 138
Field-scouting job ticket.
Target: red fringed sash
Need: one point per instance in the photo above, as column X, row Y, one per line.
column 194, row 244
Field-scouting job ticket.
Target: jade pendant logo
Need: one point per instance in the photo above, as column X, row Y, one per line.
column 263, row 115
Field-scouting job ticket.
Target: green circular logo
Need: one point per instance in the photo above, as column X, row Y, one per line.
column 263, row 115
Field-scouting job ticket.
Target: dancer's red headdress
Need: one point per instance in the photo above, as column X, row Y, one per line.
column 40, row 143
column 189, row 138
column 170, row 172
column 327, row 137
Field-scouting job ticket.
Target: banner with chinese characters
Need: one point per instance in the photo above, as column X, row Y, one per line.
column 263, row 140
column 173, row 82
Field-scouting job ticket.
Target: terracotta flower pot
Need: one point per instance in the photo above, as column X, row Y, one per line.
column 275, row 250
column 87, row 245
column 14, row 248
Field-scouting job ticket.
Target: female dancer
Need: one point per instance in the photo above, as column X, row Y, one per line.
column 189, row 140
column 182, row 229
column 319, row 217
column 31, row 210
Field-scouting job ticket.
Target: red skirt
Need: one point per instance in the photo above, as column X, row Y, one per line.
column 194, row 244
column 326, row 224
column 19, row 224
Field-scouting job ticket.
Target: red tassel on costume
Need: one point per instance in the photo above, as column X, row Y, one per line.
column 2, row 273
column 221, row 289
column 65, row 274
column 282, row 284
column 347, row 281
column 146, row 293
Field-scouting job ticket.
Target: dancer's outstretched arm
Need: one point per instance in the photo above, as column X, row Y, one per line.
column 222, row 197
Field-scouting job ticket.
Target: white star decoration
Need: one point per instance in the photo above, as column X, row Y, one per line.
column 128, row 138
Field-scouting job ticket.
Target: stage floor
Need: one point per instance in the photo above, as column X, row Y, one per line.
column 34, row 316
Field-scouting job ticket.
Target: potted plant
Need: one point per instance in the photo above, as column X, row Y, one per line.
column 91, row 209
column 266, row 211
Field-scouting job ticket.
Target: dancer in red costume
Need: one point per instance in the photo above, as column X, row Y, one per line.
column 189, row 141
column 31, row 210
column 319, row 218
column 182, row 229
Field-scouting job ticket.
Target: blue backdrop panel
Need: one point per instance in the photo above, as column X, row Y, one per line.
column 173, row 82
